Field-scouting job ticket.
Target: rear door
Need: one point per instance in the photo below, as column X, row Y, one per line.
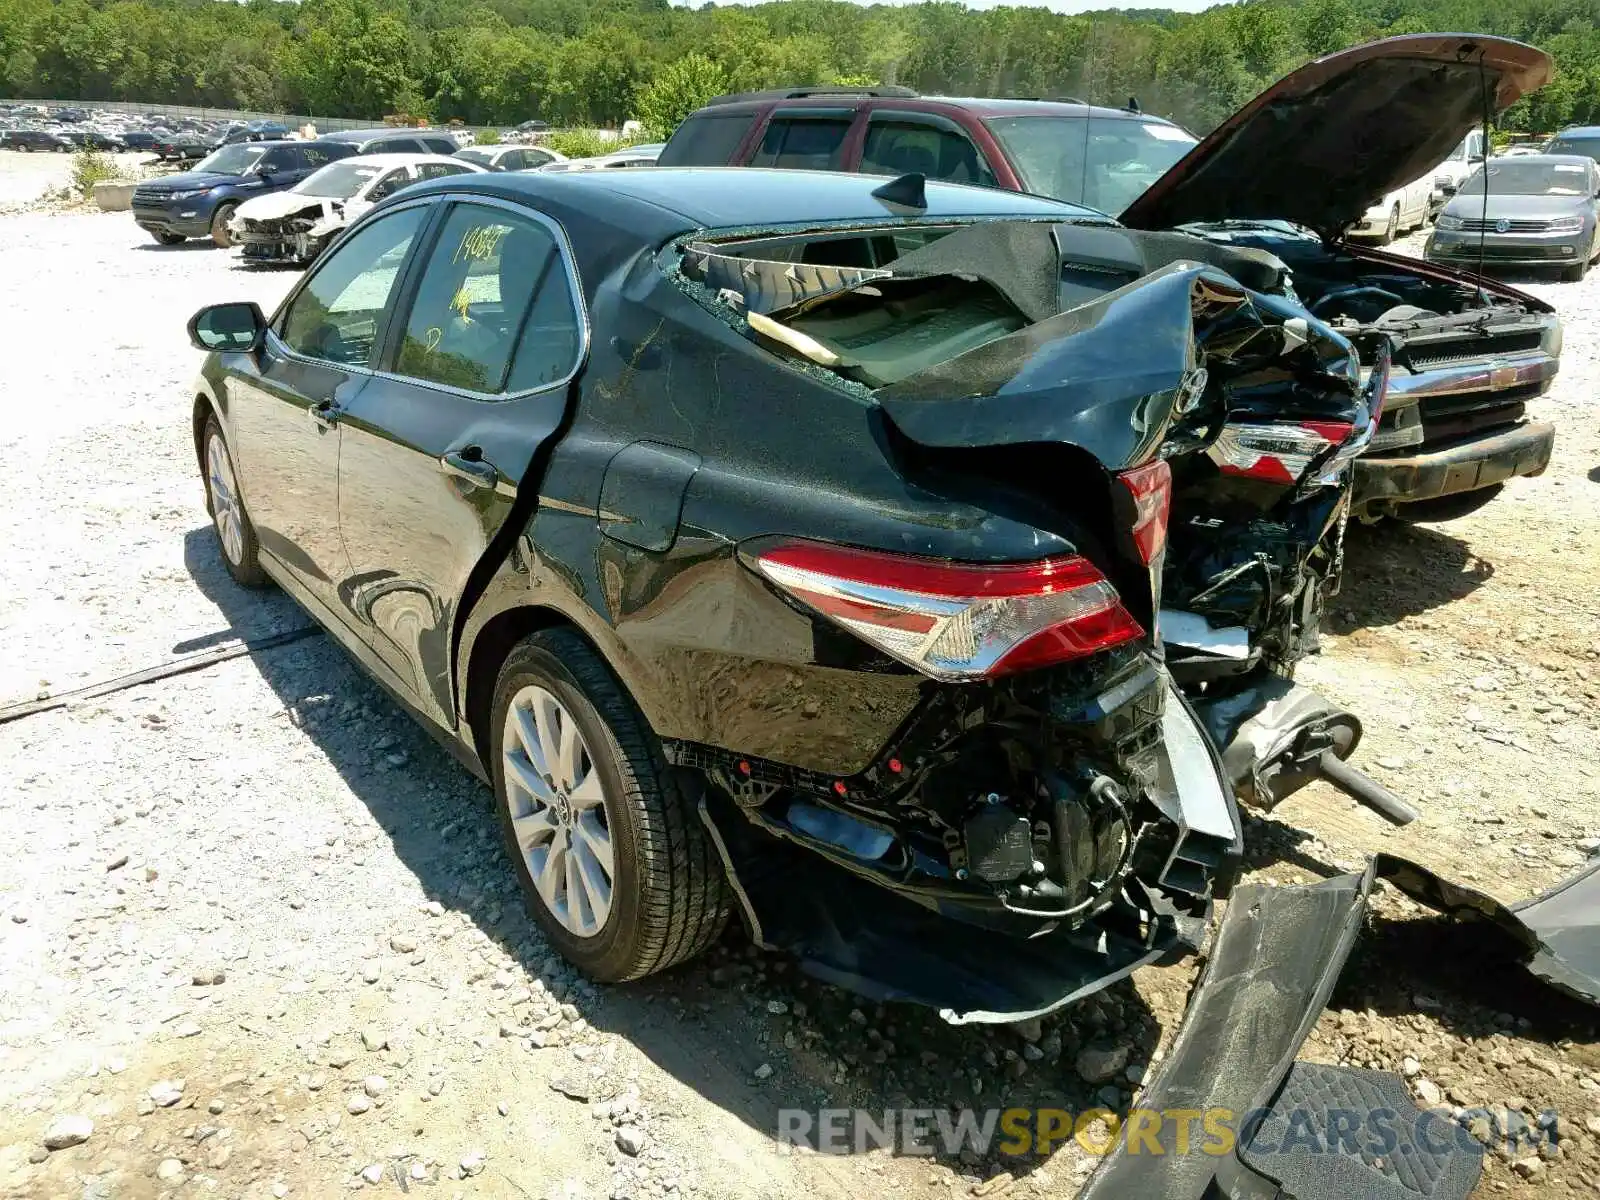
column 805, row 138
column 434, row 450
column 931, row 145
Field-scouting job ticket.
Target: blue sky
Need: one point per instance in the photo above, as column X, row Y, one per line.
column 1067, row 6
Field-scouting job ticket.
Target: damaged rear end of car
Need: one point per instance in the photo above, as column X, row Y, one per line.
column 1026, row 394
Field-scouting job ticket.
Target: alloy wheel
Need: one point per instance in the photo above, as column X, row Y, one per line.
column 558, row 810
column 225, row 510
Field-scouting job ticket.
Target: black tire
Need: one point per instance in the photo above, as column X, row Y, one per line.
column 669, row 896
column 246, row 569
column 1447, row 508
column 168, row 239
column 219, row 225
column 1392, row 230
column 25, row 148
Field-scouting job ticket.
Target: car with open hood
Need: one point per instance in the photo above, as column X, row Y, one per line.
column 1281, row 175
column 294, row 226
column 1531, row 211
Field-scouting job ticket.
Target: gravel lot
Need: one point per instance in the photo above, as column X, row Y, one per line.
column 261, row 938
column 25, row 177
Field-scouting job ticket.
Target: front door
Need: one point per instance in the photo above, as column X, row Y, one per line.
column 434, row 449
column 287, row 404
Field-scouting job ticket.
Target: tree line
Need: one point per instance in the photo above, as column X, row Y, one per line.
column 576, row 62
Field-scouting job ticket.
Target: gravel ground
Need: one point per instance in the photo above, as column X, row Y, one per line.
column 262, row 942
column 25, row 177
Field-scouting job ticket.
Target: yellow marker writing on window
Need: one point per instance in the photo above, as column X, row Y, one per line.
column 480, row 243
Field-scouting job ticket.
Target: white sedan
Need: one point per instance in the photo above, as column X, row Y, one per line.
column 294, row 226
column 1402, row 210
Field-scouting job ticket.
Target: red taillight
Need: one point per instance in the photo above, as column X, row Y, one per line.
column 957, row 620
column 1278, row 452
column 1151, row 489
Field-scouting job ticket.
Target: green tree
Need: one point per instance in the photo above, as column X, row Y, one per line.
column 677, row 90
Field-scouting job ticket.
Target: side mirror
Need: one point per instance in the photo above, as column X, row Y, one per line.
column 1477, row 158
column 230, row 328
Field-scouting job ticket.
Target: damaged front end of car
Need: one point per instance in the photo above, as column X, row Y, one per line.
column 1052, row 785
column 296, row 237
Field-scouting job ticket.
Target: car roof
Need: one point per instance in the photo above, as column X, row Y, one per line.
column 364, row 135
column 1587, row 131
column 611, row 216
column 904, row 99
column 397, row 159
column 722, row 197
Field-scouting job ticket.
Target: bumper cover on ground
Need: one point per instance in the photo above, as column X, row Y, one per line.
column 1471, row 464
column 1276, row 957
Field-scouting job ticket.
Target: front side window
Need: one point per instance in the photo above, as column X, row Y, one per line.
column 815, row 144
column 336, row 316
column 899, row 147
column 482, row 157
column 389, row 185
column 537, row 158
column 1107, row 165
column 316, row 156
column 474, row 297
column 438, row 170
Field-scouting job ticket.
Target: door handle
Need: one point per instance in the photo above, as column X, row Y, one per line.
column 467, row 464
column 324, row 415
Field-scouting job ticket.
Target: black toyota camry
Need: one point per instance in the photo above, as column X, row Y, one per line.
column 783, row 542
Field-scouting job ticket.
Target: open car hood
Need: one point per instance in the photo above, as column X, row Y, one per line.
column 1324, row 142
column 275, row 205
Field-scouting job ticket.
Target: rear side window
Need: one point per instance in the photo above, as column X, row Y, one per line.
column 438, row 143
column 403, row 145
column 897, row 147
column 474, row 298
column 436, row 170
column 813, row 143
column 706, row 141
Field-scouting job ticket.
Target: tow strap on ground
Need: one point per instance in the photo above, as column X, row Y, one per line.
column 192, row 662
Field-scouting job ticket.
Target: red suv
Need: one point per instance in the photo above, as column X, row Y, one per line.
column 1102, row 157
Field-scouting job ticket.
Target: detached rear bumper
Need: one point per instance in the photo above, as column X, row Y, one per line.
column 1465, row 466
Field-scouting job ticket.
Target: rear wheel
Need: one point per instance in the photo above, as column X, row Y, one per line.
column 614, row 862
column 219, row 225
column 25, row 148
